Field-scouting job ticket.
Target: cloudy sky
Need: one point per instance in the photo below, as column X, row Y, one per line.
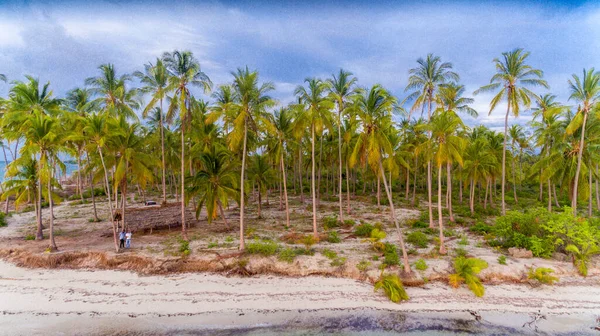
column 65, row 41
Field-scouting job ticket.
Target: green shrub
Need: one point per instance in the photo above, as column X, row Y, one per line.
column 463, row 241
column 481, row 228
column 419, row 224
column 466, row 270
column 229, row 239
column 582, row 256
column 265, row 248
column 3, row 219
column 421, row 265
column 330, row 222
column 363, row 265
column 308, row 241
column 329, row 254
column 460, row 252
column 30, row 236
column 392, row 287
column 418, row 239
column 287, row 254
column 333, row 237
column 338, row 262
column 348, row 223
column 375, row 239
column 363, row 230
column 213, row 244
column 542, row 275
column 502, row 260
column 390, row 255
column 184, row 247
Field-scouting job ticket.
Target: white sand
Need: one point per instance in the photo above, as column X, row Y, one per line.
column 40, row 301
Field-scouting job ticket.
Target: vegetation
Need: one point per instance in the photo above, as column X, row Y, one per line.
column 582, row 256
column 542, row 275
column 466, row 270
column 392, row 287
column 265, row 248
column 421, row 265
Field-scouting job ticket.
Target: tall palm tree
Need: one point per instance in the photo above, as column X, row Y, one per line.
column 424, row 81
column 512, row 77
column 215, row 182
column 317, row 107
column 252, row 100
column 113, row 94
column 374, row 113
column 517, row 136
column 341, row 90
column 282, row 123
column 155, row 79
column 586, row 91
column 261, row 175
column 22, row 181
column 184, row 73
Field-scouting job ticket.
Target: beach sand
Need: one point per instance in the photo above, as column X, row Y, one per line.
column 55, row 302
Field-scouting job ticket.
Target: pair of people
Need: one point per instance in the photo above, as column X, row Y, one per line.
column 125, row 239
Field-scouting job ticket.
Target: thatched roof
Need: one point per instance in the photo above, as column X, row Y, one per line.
column 143, row 218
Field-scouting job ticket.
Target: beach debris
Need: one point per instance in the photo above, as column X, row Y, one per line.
column 149, row 203
column 535, row 317
column 597, row 327
column 475, row 314
column 516, row 252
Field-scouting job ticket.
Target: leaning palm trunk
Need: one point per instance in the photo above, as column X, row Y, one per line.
column 472, row 197
column 285, row 195
column 514, row 181
column 162, row 152
column 183, row 226
column 591, row 190
column 40, row 232
column 79, row 181
column 399, row 231
column 504, row 156
column 348, row 188
column 242, row 244
column 312, row 181
column 52, row 246
column 449, row 186
column 112, row 216
column 429, row 194
column 340, row 166
column 579, row 157
column 440, row 219
column 549, row 196
column 597, row 191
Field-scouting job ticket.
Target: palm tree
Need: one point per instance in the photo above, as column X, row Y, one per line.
column 587, row 92
column 155, row 79
column 317, row 106
column 341, row 91
column 261, row 174
column 425, row 80
column 214, row 183
column 282, row 123
column 252, row 100
column 97, row 132
column 184, row 73
column 479, row 163
column 517, row 136
column 113, row 95
column 375, row 107
column 511, row 77
column 22, row 181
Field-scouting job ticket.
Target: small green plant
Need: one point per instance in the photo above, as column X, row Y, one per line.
column 229, row 239
column 463, row 241
column 184, row 247
column 3, row 219
column 375, row 258
column 481, row 228
column 375, row 239
column 460, row 252
column 542, row 275
column 421, row 265
column 363, row 266
column 329, row 254
column 30, row 236
column 418, row 239
column 363, row 230
column 392, row 287
column 418, row 224
column 581, row 257
column 333, row 237
column 330, row 222
column 287, row 254
column 213, row 244
column 309, row 240
column 390, row 255
column 265, row 248
column 348, row 223
column 502, row 260
column 338, row 262
column 466, row 270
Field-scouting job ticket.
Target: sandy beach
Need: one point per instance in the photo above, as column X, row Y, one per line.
column 53, row 302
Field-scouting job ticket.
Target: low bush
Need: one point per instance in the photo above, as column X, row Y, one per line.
column 375, row 239
column 30, row 236
column 3, row 219
column 184, row 247
column 392, row 287
column 329, row 254
column 308, row 241
column 363, row 230
column 542, row 275
column 502, row 260
column 363, row 266
column 330, row 222
column 421, row 265
column 419, row 224
column 481, row 228
column 390, row 255
column 265, row 247
column 333, row 237
column 466, row 271
column 418, row 239
column 582, row 256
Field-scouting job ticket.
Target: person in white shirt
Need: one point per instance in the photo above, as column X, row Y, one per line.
column 128, row 239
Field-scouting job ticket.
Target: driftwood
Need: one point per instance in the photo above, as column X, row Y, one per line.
column 146, row 219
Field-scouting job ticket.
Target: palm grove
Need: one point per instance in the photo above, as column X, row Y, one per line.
column 335, row 139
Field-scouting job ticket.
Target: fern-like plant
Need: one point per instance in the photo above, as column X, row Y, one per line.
column 392, row 286
column 466, row 272
column 542, row 275
column 375, row 239
column 581, row 257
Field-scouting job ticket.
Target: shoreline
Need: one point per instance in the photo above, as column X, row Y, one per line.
column 54, row 299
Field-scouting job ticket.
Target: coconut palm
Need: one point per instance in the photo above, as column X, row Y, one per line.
column 155, row 79
column 22, row 181
column 261, row 174
column 252, row 101
column 282, row 123
column 586, row 91
column 316, row 111
column 512, row 77
column 372, row 145
column 479, row 164
column 341, row 90
column 184, row 73
column 114, row 96
column 214, row 183
column 424, row 81
column 517, row 137
column 582, row 256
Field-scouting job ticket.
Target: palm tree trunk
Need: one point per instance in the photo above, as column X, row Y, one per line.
column 579, row 157
column 300, row 170
column 112, row 214
column 549, row 196
column 429, row 206
column 597, row 191
column 407, row 186
column 514, row 181
column 555, row 198
column 223, row 214
column 414, row 197
column 162, row 153
column 243, row 171
column 504, row 155
column 340, row 167
column 487, row 184
column 314, row 192
column 52, row 246
column 94, row 199
column 79, row 181
column 379, row 190
column 40, row 233
column 319, row 173
column 440, row 221
column 183, row 226
column 460, row 185
column 285, row 194
column 591, row 190
column 347, row 189
column 259, row 200
column 472, row 197
column 449, row 186
column 398, row 230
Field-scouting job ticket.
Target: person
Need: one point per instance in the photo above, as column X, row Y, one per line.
column 122, row 239
column 128, row 239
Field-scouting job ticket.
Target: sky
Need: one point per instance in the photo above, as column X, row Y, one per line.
column 64, row 42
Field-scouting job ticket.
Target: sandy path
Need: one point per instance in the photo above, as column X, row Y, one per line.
column 32, row 299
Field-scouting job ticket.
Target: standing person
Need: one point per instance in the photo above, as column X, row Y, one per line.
column 122, row 239
column 128, row 239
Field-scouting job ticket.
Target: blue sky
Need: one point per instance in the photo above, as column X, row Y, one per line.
column 65, row 41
